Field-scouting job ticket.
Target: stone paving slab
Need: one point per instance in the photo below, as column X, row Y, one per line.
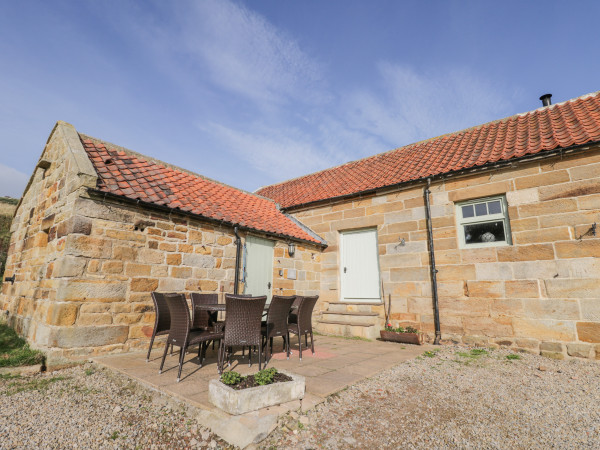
column 336, row 364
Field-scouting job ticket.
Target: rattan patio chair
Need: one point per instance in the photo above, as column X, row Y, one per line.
column 180, row 333
column 201, row 320
column 162, row 319
column 277, row 323
column 293, row 317
column 304, row 323
column 242, row 325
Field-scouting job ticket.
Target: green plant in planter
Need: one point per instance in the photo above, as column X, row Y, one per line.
column 389, row 327
column 231, row 378
column 265, row 376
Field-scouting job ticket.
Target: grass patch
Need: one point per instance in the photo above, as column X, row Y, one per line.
column 474, row 353
column 513, row 356
column 9, row 376
column 15, row 351
column 479, row 352
column 470, row 357
column 34, row 384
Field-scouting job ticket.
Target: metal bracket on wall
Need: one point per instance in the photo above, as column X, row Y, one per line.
column 590, row 232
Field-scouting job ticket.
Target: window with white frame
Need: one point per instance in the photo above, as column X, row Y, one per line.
column 483, row 222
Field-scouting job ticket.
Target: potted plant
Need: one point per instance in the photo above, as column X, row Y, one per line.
column 408, row 335
column 237, row 394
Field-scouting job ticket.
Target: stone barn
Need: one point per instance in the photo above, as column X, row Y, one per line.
column 484, row 236
column 488, row 235
column 99, row 227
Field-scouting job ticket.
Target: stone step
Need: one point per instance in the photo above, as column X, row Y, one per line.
column 356, row 303
column 347, row 329
column 355, row 307
column 351, row 316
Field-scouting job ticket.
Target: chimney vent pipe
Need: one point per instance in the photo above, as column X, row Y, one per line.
column 546, row 99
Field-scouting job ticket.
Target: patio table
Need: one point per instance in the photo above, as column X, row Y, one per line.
column 214, row 309
column 221, row 307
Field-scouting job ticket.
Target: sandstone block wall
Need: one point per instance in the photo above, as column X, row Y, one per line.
column 57, row 181
column 541, row 292
column 105, row 259
column 85, row 267
column 306, row 263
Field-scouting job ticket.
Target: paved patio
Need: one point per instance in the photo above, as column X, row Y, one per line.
column 336, row 364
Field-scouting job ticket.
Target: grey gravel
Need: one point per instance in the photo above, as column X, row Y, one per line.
column 88, row 407
column 458, row 399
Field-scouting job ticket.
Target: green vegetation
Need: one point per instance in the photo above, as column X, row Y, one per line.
column 260, row 378
column 9, row 200
column 231, row 378
column 15, row 351
column 357, row 338
column 31, row 384
column 513, row 356
column 472, row 356
column 5, row 222
column 389, row 327
column 9, row 376
column 479, row 352
column 265, row 376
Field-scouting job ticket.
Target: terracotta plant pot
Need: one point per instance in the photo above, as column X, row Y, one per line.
column 405, row 338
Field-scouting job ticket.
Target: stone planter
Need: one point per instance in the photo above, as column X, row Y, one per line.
column 405, row 338
column 245, row 400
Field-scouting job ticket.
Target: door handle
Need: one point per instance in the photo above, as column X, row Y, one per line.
column 345, row 269
column 269, row 285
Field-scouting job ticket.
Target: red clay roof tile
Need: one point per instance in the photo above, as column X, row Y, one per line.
column 574, row 122
column 135, row 178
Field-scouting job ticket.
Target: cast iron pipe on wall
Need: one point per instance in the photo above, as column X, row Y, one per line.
column 434, row 292
column 238, row 249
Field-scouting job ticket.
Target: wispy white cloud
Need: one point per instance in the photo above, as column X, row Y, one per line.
column 12, row 182
column 258, row 95
column 287, row 153
column 408, row 106
column 244, row 53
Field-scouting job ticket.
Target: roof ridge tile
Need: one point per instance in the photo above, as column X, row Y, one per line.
column 560, row 125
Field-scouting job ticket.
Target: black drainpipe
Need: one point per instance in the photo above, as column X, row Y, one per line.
column 434, row 292
column 238, row 250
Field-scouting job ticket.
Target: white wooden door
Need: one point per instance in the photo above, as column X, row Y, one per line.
column 259, row 267
column 360, row 266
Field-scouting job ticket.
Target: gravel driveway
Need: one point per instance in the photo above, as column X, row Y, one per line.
column 87, row 407
column 454, row 398
column 458, row 398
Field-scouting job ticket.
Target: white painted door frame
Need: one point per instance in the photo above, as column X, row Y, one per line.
column 259, row 267
column 359, row 266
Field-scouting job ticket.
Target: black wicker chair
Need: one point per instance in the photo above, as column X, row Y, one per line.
column 162, row 319
column 293, row 317
column 180, row 333
column 242, row 325
column 202, row 320
column 277, row 323
column 304, row 323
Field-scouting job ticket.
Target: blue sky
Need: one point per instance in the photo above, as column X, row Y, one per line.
column 253, row 93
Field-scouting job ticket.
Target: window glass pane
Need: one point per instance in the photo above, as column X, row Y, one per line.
column 467, row 211
column 480, row 209
column 478, row 233
column 495, row 207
